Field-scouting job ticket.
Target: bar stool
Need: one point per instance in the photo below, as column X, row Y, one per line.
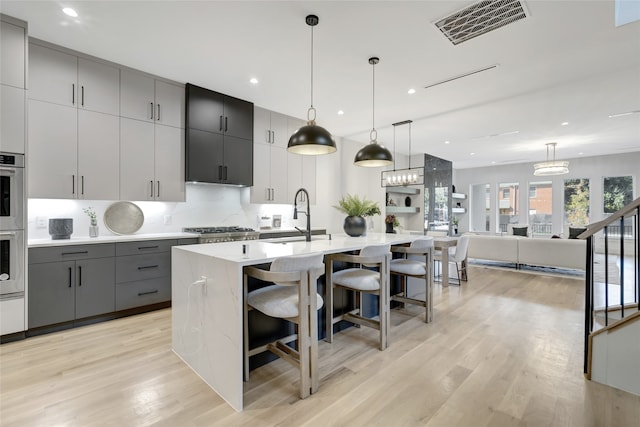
column 361, row 280
column 458, row 255
column 294, row 298
column 417, row 268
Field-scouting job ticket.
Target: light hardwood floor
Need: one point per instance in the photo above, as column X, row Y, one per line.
column 505, row 349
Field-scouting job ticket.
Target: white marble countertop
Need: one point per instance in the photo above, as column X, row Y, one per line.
column 263, row 251
column 85, row 240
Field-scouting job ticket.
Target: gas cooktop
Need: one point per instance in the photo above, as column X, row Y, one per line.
column 223, row 234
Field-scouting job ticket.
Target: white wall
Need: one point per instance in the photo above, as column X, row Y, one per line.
column 594, row 168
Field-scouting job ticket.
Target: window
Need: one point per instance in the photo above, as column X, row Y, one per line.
column 480, row 207
column 540, row 207
column 617, row 193
column 508, row 205
column 576, row 202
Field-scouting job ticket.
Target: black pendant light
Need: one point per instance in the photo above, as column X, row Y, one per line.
column 373, row 154
column 311, row 139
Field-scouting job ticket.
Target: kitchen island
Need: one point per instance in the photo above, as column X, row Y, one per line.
column 207, row 301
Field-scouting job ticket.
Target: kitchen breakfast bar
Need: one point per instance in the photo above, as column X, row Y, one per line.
column 207, row 300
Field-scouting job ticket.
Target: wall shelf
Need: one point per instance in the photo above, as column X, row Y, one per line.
column 403, row 190
column 402, row 209
column 458, row 210
column 458, row 196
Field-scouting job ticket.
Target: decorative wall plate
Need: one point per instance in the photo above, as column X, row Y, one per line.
column 123, row 218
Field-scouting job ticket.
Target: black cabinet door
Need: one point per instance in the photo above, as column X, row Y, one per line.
column 95, row 287
column 238, row 118
column 205, row 109
column 238, row 159
column 204, row 156
column 52, row 287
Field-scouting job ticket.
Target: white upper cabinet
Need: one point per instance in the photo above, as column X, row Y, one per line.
column 151, row 100
column 12, row 119
column 12, row 55
column 65, row 79
column 151, row 162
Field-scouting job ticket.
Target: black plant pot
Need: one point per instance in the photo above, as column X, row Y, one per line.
column 355, row 226
column 390, row 227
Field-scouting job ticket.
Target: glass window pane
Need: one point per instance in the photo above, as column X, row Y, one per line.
column 508, row 199
column 576, row 202
column 617, row 193
column 540, row 207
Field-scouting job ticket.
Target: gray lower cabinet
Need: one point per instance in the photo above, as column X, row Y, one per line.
column 70, row 282
column 143, row 273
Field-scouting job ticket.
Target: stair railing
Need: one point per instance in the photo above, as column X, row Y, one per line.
column 620, row 227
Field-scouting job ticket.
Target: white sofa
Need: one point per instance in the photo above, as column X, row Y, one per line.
column 545, row 252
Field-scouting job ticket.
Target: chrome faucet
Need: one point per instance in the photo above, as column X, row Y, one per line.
column 307, row 233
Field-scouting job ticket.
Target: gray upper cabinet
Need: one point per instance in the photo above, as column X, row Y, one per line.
column 12, row 54
column 151, row 100
column 62, row 78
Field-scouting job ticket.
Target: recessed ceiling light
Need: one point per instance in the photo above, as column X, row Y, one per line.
column 447, row 142
column 580, row 153
column 340, row 112
column 472, row 154
column 411, row 91
column 493, row 162
column 253, row 81
column 564, row 123
column 70, row 12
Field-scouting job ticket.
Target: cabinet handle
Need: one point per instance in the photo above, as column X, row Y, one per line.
column 225, row 173
column 155, row 291
column 268, row 135
column 73, row 184
column 151, row 110
column 158, row 193
column 226, row 119
column 158, row 118
column 75, row 253
column 70, row 276
column 140, row 248
column 220, row 172
column 147, row 267
column 267, row 193
column 82, row 95
column 151, row 186
column 73, row 94
column 82, row 185
column 273, row 136
column 79, row 276
column 220, row 123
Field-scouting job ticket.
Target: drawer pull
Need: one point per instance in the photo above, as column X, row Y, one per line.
column 147, row 247
column 147, row 267
column 75, row 253
column 155, row 291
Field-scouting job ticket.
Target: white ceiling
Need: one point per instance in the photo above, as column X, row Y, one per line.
column 566, row 62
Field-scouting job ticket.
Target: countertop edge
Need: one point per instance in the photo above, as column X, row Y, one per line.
column 86, row 240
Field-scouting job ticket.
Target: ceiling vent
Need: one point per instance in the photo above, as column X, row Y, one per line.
column 480, row 18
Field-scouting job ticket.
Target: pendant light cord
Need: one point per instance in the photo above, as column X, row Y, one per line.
column 373, row 112
column 312, row 67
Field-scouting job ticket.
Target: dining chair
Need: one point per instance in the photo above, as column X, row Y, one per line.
column 292, row 296
column 370, row 277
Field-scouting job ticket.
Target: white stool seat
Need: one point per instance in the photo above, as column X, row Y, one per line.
column 278, row 301
column 357, row 278
column 406, row 266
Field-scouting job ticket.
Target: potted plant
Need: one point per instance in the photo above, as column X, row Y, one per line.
column 356, row 210
column 455, row 222
column 391, row 221
column 93, row 228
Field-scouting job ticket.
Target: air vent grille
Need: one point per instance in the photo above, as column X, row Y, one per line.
column 480, row 18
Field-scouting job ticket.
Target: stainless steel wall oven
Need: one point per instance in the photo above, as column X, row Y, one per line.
column 12, row 241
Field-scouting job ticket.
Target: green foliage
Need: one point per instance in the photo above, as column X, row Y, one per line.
column 391, row 219
column 576, row 201
column 354, row 206
column 618, row 192
column 92, row 215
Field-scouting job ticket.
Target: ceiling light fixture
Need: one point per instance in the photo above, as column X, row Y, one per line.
column 70, row 12
column 340, row 112
column 311, row 140
column 411, row 91
column 253, row 81
column 373, row 154
column 551, row 167
column 564, row 123
column 410, row 176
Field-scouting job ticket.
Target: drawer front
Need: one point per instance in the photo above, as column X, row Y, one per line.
column 144, row 247
column 141, row 293
column 142, row 267
column 70, row 253
column 193, row 241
